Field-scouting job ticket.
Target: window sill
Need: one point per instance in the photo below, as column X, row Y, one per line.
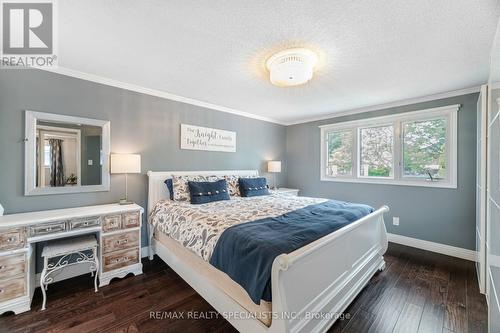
column 379, row 181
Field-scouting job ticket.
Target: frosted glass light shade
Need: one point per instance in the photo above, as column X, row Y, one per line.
column 291, row 67
column 274, row 166
column 125, row 163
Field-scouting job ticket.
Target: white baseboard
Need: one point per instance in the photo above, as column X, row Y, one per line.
column 403, row 240
column 448, row 250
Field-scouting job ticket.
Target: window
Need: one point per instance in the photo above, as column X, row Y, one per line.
column 376, row 151
column 424, row 149
column 47, row 157
column 415, row 148
column 339, row 146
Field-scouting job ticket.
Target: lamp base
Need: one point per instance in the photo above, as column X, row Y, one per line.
column 125, row 202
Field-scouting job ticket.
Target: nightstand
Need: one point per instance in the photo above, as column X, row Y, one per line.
column 286, row 191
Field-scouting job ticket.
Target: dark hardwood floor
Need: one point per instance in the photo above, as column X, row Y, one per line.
column 419, row 291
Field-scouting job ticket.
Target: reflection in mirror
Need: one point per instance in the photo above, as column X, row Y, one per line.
column 65, row 154
column 68, row 154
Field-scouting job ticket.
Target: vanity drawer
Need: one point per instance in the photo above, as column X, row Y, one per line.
column 119, row 259
column 112, row 222
column 131, row 220
column 87, row 222
column 12, row 288
column 12, row 239
column 48, row 228
column 12, row 265
column 120, row 241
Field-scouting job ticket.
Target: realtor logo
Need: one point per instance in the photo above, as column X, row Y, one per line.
column 27, row 34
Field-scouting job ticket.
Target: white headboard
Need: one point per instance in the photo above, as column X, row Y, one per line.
column 157, row 190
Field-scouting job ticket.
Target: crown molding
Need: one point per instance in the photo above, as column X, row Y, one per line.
column 404, row 102
column 152, row 92
column 162, row 94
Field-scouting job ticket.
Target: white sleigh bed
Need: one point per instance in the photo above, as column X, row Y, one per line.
column 311, row 286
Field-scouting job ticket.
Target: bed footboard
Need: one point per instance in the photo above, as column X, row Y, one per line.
column 313, row 285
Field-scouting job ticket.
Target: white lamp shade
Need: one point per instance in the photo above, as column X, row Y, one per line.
column 125, row 163
column 274, row 166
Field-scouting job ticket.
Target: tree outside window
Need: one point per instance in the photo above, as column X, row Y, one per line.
column 424, row 148
column 339, row 153
column 376, row 151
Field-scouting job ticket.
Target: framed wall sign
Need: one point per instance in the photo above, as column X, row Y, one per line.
column 204, row 138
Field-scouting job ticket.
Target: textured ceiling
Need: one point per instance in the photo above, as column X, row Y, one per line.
column 372, row 52
column 495, row 59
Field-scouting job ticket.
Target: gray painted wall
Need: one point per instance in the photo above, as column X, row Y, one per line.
column 140, row 124
column 444, row 216
column 150, row 126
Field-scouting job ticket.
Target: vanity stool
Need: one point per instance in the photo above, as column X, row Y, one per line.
column 67, row 252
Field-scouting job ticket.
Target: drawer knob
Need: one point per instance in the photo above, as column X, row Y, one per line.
column 10, row 239
column 2, row 267
column 122, row 241
column 1, row 291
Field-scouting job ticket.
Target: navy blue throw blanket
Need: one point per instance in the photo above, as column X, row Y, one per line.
column 246, row 251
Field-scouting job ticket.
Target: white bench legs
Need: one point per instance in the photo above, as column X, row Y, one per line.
column 68, row 252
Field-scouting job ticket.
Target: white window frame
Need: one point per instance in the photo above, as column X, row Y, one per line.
column 450, row 113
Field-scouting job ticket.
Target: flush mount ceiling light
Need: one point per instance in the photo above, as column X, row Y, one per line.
column 291, row 67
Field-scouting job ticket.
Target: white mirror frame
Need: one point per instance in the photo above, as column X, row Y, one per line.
column 30, row 149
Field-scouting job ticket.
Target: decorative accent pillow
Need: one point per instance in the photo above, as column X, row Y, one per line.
column 233, row 184
column 170, row 187
column 204, row 192
column 181, row 188
column 252, row 187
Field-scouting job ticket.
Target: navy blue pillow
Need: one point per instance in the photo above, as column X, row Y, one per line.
column 252, row 187
column 170, row 186
column 204, row 192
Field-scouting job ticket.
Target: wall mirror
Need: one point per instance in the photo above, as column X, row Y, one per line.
column 65, row 154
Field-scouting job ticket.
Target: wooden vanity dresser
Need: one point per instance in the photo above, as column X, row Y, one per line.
column 118, row 228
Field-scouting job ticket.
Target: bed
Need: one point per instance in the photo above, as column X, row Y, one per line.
column 311, row 286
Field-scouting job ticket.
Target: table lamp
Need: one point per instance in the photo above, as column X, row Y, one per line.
column 274, row 167
column 125, row 163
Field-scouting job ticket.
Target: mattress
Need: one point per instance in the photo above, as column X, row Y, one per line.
column 199, row 227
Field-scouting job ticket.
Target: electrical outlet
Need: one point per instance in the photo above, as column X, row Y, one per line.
column 90, row 162
column 395, row 220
